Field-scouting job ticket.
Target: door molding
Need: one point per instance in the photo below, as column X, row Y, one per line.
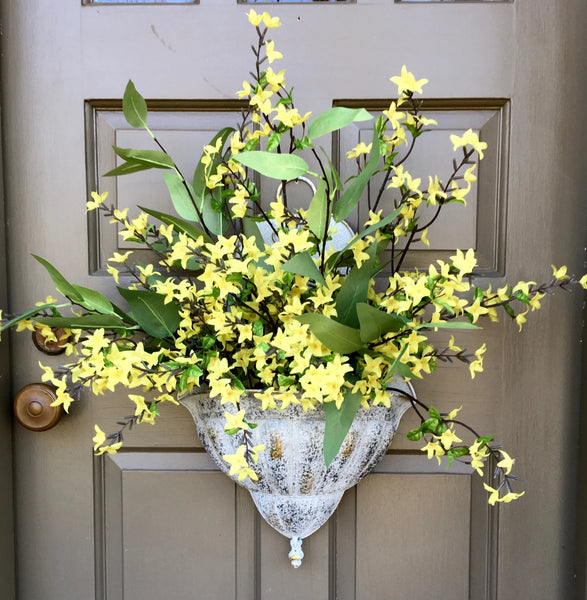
column 6, row 496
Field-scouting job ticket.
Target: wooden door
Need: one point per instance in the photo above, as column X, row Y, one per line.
column 158, row 521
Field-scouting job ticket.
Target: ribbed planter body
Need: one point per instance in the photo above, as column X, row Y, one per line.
column 296, row 493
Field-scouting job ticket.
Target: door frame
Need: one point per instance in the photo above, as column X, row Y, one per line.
column 6, row 495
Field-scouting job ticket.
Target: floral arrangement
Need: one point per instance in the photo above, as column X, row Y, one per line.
column 227, row 308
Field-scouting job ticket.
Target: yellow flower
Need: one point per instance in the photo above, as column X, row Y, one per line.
column 360, row 148
column 560, row 273
column 270, row 22
column 272, row 54
column 99, row 438
column 235, row 421
column 434, row 449
column 406, row 82
column 476, row 310
column 140, row 403
column 97, row 199
column 453, row 413
column 25, row 324
column 521, row 319
column 114, row 272
column 255, row 451
column 468, row 138
column 246, row 91
column 448, row 438
column 237, row 460
column 465, row 263
column 477, row 365
column 112, row 449
column 510, row 496
column 254, row 18
column 494, row 495
column 506, row 462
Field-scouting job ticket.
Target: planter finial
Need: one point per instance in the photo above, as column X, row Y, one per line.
column 296, row 553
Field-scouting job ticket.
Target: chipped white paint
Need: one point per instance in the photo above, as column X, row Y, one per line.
column 296, row 493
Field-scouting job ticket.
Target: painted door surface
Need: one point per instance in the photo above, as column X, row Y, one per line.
column 158, row 521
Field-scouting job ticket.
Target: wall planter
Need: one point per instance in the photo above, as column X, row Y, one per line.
column 295, row 492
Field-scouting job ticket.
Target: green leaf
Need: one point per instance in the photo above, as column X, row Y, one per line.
column 354, row 290
column 338, row 423
column 317, row 211
column 151, row 158
column 351, row 196
column 250, row 228
column 277, row 166
column 93, row 300
column 430, row 425
column 273, row 141
column 152, row 314
column 258, row 328
column 134, row 107
column 393, row 369
column 127, row 168
column 61, row 284
column 434, row 413
column 208, row 341
column 336, row 118
column 375, row 323
column 447, row 325
column 414, row 435
column 459, row 451
column 86, row 322
column 178, row 224
column 180, row 196
column 303, row 264
column 404, row 371
column 335, row 336
column 211, row 207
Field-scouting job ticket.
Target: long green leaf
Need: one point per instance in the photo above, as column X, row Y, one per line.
column 61, row 284
column 338, row 423
column 317, row 211
column 336, row 118
column 134, row 107
column 277, row 166
column 152, row 314
column 351, row 196
column 303, row 264
column 179, row 225
column 86, row 322
column 95, row 301
column 335, row 336
column 355, row 289
column 127, row 168
column 375, row 323
column 152, row 158
column 180, row 196
column 448, row 325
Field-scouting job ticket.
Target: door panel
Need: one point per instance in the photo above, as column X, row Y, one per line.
column 157, row 520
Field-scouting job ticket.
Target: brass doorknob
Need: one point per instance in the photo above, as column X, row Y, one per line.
column 51, row 347
column 32, row 407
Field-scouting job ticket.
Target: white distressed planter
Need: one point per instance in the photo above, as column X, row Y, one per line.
column 296, row 493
